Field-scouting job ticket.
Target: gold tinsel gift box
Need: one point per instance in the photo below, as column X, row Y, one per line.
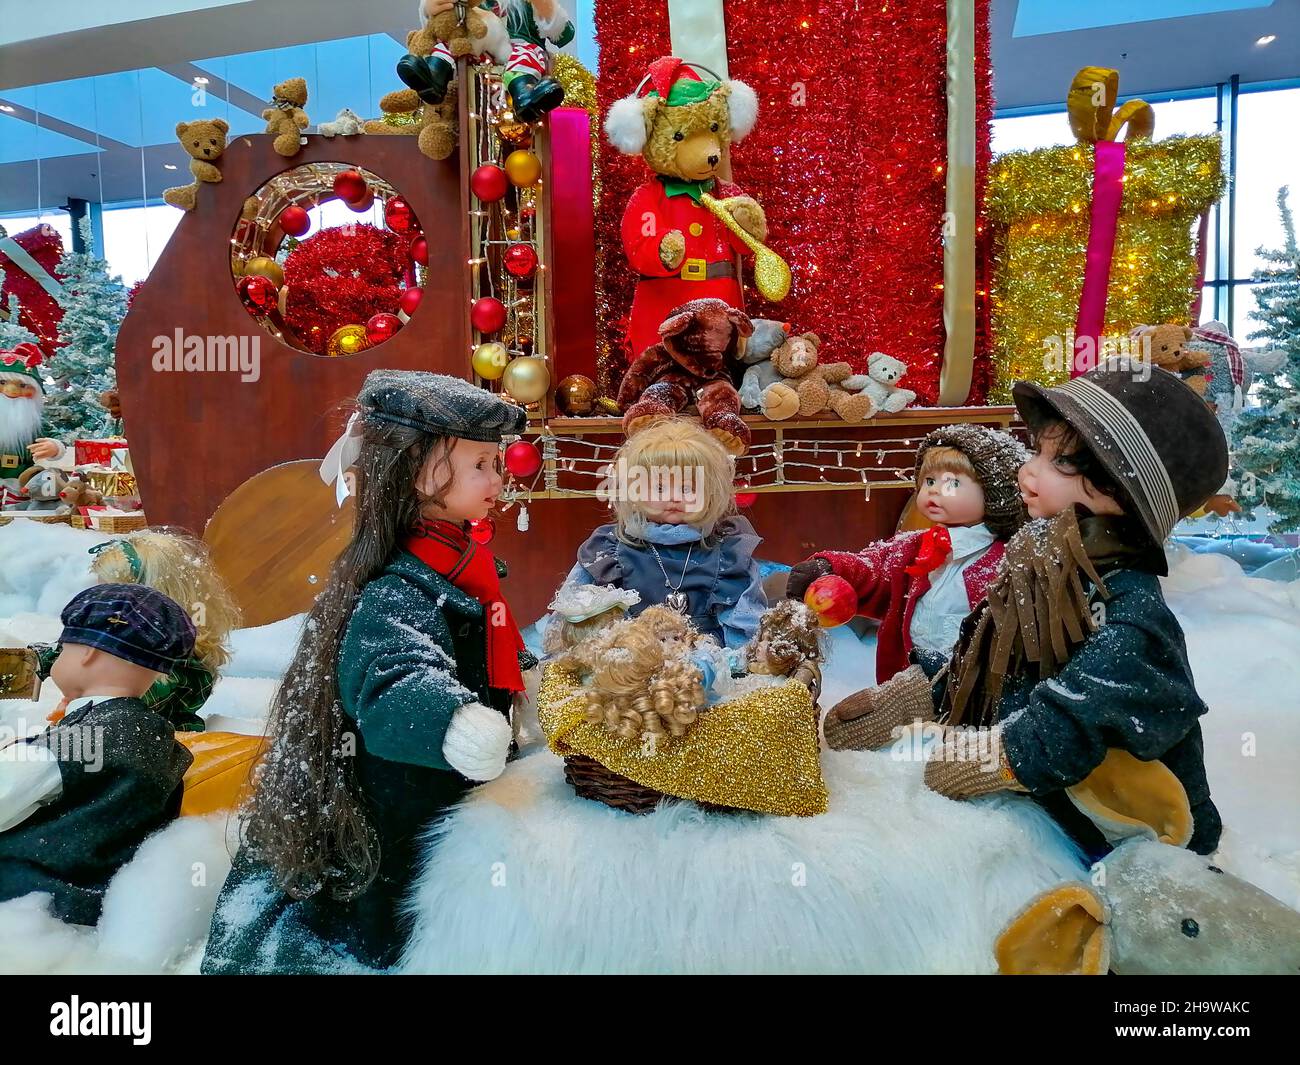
column 112, row 483
column 1039, row 204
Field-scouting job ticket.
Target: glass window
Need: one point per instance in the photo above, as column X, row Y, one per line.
column 1268, row 157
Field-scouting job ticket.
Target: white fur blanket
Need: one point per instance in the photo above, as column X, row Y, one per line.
column 526, row 878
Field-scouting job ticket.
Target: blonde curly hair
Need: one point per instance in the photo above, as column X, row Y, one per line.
column 637, row 688
column 179, row 566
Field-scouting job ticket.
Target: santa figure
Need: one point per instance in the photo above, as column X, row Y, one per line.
column 22, row 400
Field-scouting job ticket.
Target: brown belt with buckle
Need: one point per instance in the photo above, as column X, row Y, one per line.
column 699, row 270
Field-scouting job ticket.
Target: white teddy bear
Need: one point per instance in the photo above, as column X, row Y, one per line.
column 879, row 383
column 347, row 123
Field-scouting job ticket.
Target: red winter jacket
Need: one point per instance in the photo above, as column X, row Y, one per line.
column 888, row 594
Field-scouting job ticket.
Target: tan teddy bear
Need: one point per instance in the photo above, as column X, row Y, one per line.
column 1165, row 346
column 808, row 387
column 286, row 117
column 404, row 115
column 205, row 141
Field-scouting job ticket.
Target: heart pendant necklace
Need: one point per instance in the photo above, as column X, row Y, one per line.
column 676, row 598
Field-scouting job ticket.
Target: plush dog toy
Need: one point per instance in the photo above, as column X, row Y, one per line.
column 690, row 363
column 204, row 141
column 286, row 117
column 347, row 123
column 682, row 125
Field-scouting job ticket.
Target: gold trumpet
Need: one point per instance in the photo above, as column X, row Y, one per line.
column 771, row 272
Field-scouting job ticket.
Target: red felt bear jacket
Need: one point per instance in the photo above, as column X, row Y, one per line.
column 890, row 595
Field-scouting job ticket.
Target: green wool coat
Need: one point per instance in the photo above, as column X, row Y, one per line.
column 413, row 653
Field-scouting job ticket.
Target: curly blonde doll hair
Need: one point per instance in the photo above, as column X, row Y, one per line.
column 668, row 452
column 179, row 566
column 636, row 689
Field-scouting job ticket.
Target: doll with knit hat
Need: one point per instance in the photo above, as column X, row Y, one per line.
column 920, row 585
column 1075, row 652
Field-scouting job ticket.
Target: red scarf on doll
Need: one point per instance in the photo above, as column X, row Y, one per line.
column 447, row 549
column 936, row 546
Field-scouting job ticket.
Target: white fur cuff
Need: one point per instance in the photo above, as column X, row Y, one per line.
column 477, row 742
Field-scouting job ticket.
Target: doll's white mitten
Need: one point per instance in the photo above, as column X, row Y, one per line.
column 477, row 742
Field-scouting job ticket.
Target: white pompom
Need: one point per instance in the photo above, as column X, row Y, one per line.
column 625, row 125
column 743, row 105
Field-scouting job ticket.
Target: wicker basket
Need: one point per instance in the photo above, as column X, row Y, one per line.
column 113, row 523
column 44, row 519
column 591, row 780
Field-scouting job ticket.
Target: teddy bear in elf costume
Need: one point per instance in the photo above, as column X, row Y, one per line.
column 682, row 124
column 530, row 24
column 22, row 402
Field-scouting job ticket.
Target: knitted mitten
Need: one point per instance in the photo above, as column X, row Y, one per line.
column 477, row 743
column 866, row 720
column 804, row 574
column 967, row 762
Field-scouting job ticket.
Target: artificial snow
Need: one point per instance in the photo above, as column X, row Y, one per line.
column 1243, row 639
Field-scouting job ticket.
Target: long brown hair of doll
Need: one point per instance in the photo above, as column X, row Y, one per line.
column 305, row 819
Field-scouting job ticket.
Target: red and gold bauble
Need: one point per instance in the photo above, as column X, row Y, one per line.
column 350, row 186
column 521, row 260
column 382, row 326
column 294, row 220
column 523, row 168
column 832, row 599
column 489, row 183
column 575, row 395
column 258, row 293
column 481, row 530
column 410, row 300
column 420, row 251
column 487, row 314
column 490, row 360
column 265, row 266
column 399, row 217
column 347, row 340
column 523, row 459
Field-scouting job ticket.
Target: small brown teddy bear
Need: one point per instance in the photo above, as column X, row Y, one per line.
column 806, row 385
column 205, row 141
column 447, row 28
column 691, row 363
column 77, row 493
column 405, row 116
column 286, row 117
column 1164, row 345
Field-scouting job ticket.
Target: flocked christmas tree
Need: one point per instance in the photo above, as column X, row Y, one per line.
column 94, row 305
column 1266, row 439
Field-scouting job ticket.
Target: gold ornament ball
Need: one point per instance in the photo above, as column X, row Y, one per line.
column 267, row 267
column 523, row 168
column 347, row 340
column 511, row 129
column 527, row 378
column 575, row 395
column 490, row 360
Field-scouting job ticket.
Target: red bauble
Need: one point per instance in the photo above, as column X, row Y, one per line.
column 487, row 314
column 410, row 300
column 489, row 183
column 350, row 186
column 523, row 459
column 744, row 497
column 521, row 260
column 481, row 530
column 258, row 294
column 832, row 599
column 364, row 204
column 399, row 216
column 420, row 251
column 294, row 220
column 382, row 327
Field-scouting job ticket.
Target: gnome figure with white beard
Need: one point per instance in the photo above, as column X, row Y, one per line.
column 22, row 400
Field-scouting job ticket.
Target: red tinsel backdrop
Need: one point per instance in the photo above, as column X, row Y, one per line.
column 847, row 159
column 38, row 310
column 342, row 276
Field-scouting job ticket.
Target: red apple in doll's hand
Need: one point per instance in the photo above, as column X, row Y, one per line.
column 832, row 599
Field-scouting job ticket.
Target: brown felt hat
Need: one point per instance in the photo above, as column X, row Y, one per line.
column 1153, row 434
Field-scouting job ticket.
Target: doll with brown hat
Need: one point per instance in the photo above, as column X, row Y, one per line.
column 921, row 584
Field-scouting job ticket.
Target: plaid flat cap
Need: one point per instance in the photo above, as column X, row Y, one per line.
column 437, row 403
column 132, row 622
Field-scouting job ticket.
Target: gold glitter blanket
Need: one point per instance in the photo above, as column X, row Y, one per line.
column 757, row 752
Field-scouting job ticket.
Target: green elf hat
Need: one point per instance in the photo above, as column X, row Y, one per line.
column 678, row 85
column 21, row 364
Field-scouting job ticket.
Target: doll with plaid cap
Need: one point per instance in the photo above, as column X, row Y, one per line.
column 79, row 798
column 1075, row 651
column 398, row 698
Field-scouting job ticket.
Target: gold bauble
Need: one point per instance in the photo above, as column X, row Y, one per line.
column 523, row 168
column 347, row 340
column 512, row 130
column 575, row 395
column 490, row 360
column 527, row 378
column 267, row 267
